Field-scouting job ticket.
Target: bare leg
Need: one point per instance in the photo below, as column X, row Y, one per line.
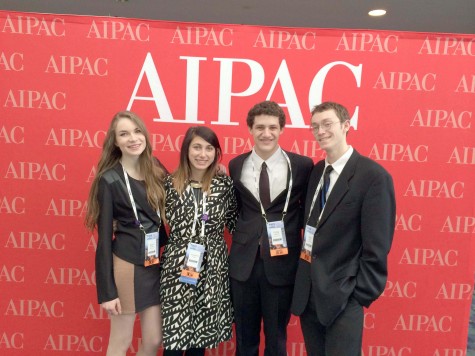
column 151, row 325
column 121, row 333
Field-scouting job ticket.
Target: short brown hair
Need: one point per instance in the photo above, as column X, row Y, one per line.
column 267, row 107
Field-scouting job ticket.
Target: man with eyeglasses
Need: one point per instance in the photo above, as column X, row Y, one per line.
column 349, row 224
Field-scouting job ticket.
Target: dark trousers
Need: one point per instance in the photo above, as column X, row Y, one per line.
column 189, row 352
column 342, row 337
column 256, row 300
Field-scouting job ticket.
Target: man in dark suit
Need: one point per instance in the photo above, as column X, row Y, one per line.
column 267, row 240
column 349, row 220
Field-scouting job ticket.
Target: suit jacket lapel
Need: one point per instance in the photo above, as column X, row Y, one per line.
column 242, row 188
column 341, row 187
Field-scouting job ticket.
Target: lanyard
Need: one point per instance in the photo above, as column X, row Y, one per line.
column 287, row 199
column 132, row 201
column 204, row 215
column 319, row 186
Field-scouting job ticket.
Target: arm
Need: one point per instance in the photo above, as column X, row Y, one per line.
column 106, row 289
column 377, row 228
column 232, row 209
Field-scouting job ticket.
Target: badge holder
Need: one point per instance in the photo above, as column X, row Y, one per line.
column 151, row 249
column 192, row 266
column 277, row 239
column 306, row 252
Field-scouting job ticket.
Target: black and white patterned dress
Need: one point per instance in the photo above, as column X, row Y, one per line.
column 197, row 316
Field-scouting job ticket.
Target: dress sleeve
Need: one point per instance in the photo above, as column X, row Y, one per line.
column 105, row 284
column 232, row 207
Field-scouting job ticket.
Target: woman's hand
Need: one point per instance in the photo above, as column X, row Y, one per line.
column 112, row 307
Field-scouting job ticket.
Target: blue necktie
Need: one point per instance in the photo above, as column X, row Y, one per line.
column 326, row 185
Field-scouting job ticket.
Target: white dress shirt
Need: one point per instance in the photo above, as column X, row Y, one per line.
column 338, row 166
column 277, row 168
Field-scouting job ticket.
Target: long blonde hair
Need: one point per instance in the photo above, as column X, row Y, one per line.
column 153, row 173
column 182, row 174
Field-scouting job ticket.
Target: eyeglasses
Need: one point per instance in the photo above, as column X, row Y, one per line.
column 325, row 126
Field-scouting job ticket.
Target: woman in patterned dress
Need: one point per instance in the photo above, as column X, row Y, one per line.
column 199, row 203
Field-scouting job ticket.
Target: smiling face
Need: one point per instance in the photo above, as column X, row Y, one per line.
column 331, row 133
column 129, row 138
column 201, row 155
column 266, row 131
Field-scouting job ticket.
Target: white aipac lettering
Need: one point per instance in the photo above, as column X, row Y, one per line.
column 369, row 320
column 37, row 308
column 36, row 171
column 434, row 189
column 91, row 245
column 77, row 65
column 31, row 25
column 70, row 276
column 462, row 155
column 13, row 341
column 36, row 241
column 73, row 343
column 429, row 257
column 297, row 349
column 406, row 81
column 118, row 30
column 225, row 94
column 399, row 152
column 315, row 94
column 379, row 350
column 455, row 291
column 426, row 323
column 14, row 274
column 75, row 138
column 443, row 118
column 446, row 46
column 408, row 223
column 202, row 36
column 96, row 312
column 400, row 289
column 226, row 348
column 285, row 40
column 13, row 61
column 237, row 145
column 449, row 352
column 367, row 42
column 33, row 99
column 67, row 207
column 309, row 148
column 166, row 143
column 14, row 205
column 464, row 85
column 459, row 225
column 14, row 135
column 92, row 174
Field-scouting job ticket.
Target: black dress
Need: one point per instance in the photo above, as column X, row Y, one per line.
column 120, row 270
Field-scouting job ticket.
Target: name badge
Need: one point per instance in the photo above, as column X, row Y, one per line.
column 277, row 239
column 151, row 249
column 306, row 252
column 190, row 272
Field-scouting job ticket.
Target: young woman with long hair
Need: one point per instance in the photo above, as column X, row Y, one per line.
column 125, row 204
column 196, row 302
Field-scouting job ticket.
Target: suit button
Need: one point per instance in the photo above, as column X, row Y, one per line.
column 314, row 256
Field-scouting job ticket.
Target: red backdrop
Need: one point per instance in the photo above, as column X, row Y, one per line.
column 62, row 78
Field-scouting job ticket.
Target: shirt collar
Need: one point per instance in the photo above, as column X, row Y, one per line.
column 339, row 164
column 271, row 161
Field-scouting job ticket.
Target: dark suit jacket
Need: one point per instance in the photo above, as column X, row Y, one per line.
column 352, row 240
column 128, row 243
column 251, row 225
